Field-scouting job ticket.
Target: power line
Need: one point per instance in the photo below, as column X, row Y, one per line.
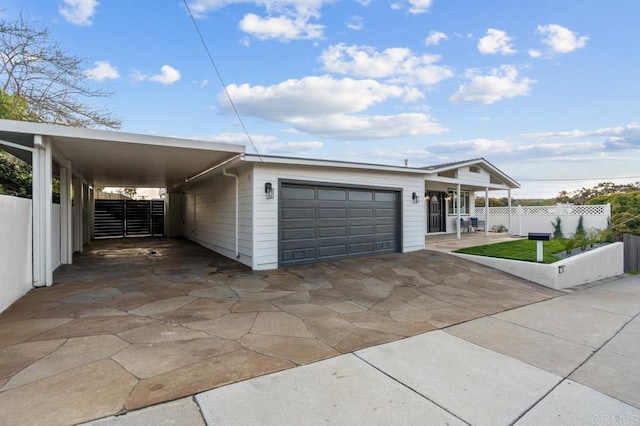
column 224, row 86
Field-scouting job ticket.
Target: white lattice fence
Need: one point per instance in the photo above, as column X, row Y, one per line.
column 525, row 219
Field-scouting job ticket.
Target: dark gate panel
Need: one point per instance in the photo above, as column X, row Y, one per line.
column 122, row 218
column 631, row 252
column 109, row 218
column 157, row 217
column 137, row 217
column 325, row 222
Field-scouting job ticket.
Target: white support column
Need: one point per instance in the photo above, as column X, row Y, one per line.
column 66, row 213
column 42, row 186
column 77, row 214
column 486, row 211
column 509, row 205
column 458, row 211
column 92, row 197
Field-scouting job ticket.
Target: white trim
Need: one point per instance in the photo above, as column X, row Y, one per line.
column 17, row 146
column 330, row 163
column 113, row 136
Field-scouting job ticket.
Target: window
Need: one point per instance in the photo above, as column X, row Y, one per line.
column 464, row 202
column 474, row 169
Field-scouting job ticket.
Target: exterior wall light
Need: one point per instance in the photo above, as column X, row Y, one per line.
column 414, row 196
column 268, row 190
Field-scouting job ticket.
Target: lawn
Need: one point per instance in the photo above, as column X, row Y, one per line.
column 517, row 250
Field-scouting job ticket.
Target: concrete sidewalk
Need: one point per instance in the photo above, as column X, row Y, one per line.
column 574, row 359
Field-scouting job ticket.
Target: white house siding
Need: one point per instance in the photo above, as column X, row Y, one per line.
column 266, row 211
column 466, row 175
column 16, row 264
column 209, row 215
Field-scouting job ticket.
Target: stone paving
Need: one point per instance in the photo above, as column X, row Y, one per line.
column 136, row 322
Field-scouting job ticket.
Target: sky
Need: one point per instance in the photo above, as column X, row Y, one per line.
column 547, row 91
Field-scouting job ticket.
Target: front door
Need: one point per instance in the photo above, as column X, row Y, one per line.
column 436, row 212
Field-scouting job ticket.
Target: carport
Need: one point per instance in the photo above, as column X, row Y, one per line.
column 85, row 158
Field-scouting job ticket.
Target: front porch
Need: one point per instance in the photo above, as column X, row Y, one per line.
column 446, row 243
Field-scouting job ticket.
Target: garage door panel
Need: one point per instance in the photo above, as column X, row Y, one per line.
column 298, row 193
column 361, row 248
column 336, row 223
column 388, row 212
column 298, row 255
column 339, row 250
column 360, row 230
column 332, row 231
column 329, row 213
column 332, row 194
column 360, row 213
column 298, row 213
column 358, row 195
column 298, row 234
column 386, row 196
column 383, row 229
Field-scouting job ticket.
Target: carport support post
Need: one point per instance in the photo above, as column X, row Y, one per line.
column 42, row 199
column 66, row 228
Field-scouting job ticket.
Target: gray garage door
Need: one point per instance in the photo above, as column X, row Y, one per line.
column 325, row 222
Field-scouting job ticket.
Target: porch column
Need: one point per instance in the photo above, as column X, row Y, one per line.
column 66, row 214
column 486, row 211
column 509, row 205
column 42, row 187
column 92, row 213
column 458, row 210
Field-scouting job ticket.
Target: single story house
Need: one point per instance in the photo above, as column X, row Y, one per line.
column 264, row 211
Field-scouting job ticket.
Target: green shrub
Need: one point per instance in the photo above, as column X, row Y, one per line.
column 557, row 228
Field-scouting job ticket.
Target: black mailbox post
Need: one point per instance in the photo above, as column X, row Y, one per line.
column 539, row 237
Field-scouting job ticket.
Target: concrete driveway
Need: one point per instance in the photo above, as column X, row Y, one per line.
column 138, row 322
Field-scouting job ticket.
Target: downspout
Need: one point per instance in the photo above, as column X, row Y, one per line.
column 224, row 172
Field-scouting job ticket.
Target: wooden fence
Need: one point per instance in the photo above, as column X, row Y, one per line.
column 631, row 252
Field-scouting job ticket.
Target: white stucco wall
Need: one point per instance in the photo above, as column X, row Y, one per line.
column 16, row 266
column 593, row 265
column 265, row 235
column 208, row 212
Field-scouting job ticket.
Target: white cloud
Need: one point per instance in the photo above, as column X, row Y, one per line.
column 496, row 42
column 280, row 28
column 434, row 38
column 78, row 12
column 500, row 83
column 266, row 144
column 168, row 75
column 397, row 64
column 534, row 53
column 102, row 71
column 356, row 23
column 329, row 107
column 309, row 96
column 612, row 138
column 284, row 19
column 560, row 39
column 419, row 6
column 345, row 126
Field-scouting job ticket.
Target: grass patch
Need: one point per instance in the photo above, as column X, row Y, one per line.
column 517, row 250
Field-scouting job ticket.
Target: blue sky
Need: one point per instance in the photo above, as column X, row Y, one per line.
column 542, row 89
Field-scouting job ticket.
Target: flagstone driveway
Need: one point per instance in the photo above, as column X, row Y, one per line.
column 136, row 322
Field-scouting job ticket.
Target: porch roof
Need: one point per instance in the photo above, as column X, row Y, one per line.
column 507, row 181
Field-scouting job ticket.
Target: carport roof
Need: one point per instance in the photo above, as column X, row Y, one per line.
column 110, row 158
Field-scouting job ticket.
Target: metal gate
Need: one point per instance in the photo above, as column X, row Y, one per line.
column 123, row 218
column 631, row 252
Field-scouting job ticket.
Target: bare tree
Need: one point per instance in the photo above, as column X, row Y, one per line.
column 52, row 82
